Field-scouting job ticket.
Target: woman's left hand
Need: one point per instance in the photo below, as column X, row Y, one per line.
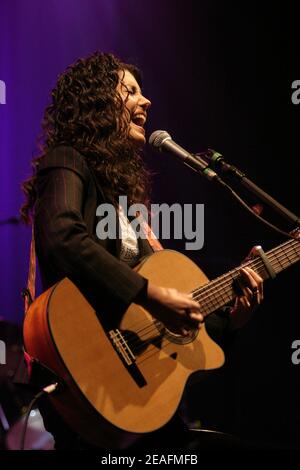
column 252, row 295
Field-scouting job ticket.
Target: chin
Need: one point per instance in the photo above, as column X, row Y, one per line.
column 138, row 139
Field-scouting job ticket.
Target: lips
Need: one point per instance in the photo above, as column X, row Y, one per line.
column 139, row 119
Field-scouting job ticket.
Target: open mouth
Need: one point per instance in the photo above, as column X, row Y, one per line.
column 139, row 120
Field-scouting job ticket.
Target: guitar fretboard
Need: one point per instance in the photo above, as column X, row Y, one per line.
column 220, row 291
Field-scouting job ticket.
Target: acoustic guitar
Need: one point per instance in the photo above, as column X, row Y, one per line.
column 117, row 384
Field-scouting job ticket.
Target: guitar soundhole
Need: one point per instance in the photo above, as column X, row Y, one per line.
column 175, row 338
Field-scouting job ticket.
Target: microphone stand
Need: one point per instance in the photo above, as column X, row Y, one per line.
column 14, row 220
column 202, row 162
column 218, row 163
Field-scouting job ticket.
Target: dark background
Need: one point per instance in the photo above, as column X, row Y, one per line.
column 219, row 75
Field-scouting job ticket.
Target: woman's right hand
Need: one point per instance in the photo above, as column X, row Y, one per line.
column 176, row 310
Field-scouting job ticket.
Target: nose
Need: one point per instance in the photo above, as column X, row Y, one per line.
column 144, row 103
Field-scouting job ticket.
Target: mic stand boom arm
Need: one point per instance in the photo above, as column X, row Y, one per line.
column 218, row 163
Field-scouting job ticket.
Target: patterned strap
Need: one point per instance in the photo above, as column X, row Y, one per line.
column 29, row 294
column 151, row 237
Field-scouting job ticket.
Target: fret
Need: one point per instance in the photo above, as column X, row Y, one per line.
column 287, row 253
column 296, row 252
column 281, row 265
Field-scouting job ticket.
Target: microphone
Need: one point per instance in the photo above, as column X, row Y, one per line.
column 162, row 141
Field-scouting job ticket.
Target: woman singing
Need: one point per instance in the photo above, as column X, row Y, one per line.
column 93, row 137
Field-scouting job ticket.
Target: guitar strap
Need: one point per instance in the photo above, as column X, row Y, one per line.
column 152, row 240
column 150, row 235
column 29, row 295
column 29, row 292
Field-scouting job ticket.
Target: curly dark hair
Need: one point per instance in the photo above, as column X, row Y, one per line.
column 88, row 114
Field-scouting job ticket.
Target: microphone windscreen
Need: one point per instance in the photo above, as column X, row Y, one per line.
column 157, row 138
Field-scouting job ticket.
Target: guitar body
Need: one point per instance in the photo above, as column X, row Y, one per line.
column 124, row 382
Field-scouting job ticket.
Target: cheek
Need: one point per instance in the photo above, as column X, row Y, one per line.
column 131, row 103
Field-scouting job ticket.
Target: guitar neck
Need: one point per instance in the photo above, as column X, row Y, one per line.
column 220, row 291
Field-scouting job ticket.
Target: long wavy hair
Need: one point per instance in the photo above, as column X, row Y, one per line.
column 88, row 113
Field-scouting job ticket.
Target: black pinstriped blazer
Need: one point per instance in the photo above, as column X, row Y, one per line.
column 65, row 233
column 67, row 246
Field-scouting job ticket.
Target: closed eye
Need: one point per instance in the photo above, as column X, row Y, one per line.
column 131, row 90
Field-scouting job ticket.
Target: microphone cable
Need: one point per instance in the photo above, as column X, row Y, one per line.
column 45, row 391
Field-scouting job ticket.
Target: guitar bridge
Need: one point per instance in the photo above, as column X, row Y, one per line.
column 126, row 355
column 121, row 346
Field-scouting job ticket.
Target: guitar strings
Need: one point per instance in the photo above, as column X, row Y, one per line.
column 259, row 263
column 255, row 263
column 206, row 291
column 151, row 326
column 148, row 353
column 151, row 352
